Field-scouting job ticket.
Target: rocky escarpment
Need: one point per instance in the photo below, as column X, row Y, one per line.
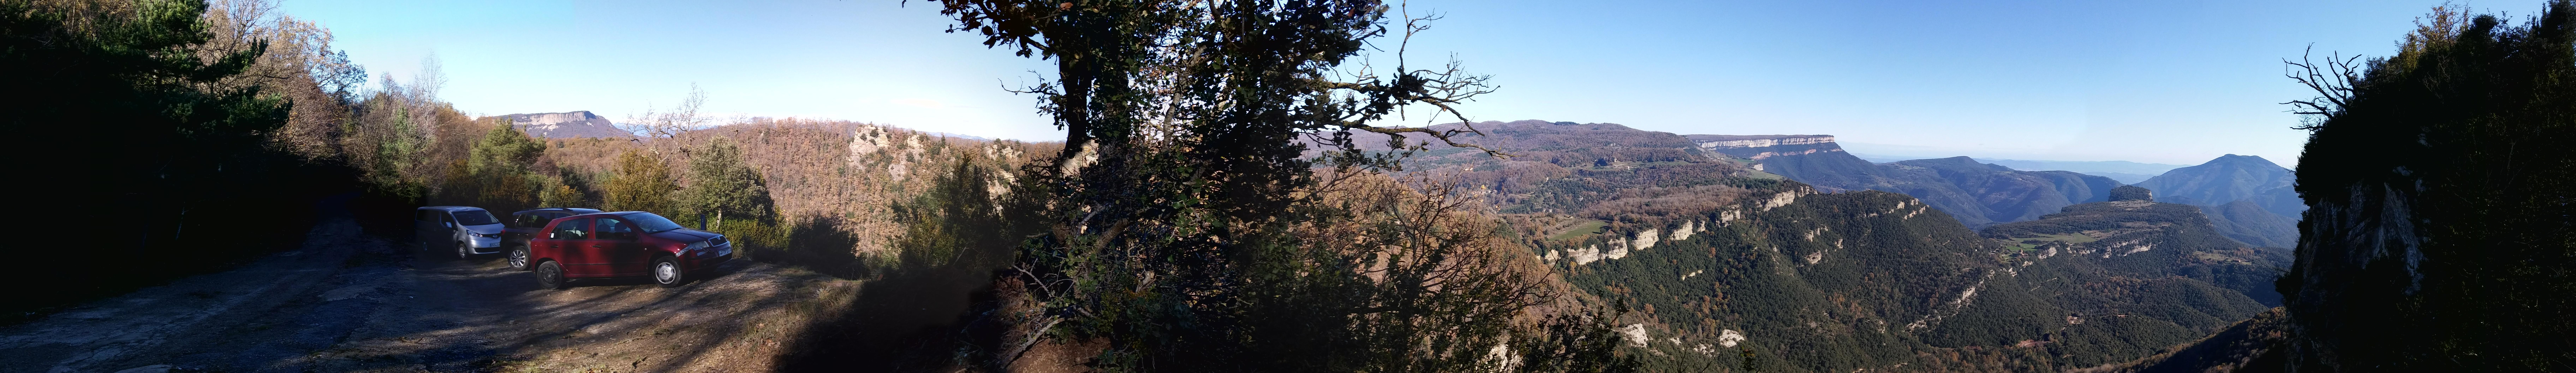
column 566, row 124
column 1766, row 146
column 1978, row 194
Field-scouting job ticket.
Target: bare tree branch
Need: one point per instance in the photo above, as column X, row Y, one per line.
column 2333, row 80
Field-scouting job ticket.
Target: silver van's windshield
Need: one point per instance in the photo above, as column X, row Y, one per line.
column 650, row 223
column 474, row 217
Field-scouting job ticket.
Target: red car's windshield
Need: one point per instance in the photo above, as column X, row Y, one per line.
column 650, row 223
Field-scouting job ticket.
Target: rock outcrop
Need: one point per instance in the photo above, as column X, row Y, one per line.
column 566, row 124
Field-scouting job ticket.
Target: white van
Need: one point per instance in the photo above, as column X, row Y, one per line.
column 469, row 230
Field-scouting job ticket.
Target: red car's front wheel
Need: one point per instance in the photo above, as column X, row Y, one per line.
column 666, row 271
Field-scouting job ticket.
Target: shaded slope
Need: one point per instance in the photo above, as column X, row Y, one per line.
column 2251, row 224
column 1998, row 193
column 2249, row 346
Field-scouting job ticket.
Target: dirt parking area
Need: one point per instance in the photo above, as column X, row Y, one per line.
column 347, row 301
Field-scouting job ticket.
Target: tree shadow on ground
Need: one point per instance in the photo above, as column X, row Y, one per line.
column 914, row 311
column 912, row 316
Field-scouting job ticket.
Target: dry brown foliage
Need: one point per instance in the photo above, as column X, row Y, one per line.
column 822, row 173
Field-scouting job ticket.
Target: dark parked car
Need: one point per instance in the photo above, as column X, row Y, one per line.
column 624, row 244
column 526, row 225
column 469, row 230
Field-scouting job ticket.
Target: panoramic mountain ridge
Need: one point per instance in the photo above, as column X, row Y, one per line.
column 569, row 124
column 1724, row 256
column 1978, row 194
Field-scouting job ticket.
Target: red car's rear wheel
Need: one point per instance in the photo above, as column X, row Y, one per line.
column 550, row 276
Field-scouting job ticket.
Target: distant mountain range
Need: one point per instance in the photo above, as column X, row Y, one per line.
column 2087, row 167
column 2123, row 171
column 2245, row 198
column 566, row 124
column 1978, row 194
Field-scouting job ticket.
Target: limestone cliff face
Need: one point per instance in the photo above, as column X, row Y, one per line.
column 1766, row 146
column 566, row 124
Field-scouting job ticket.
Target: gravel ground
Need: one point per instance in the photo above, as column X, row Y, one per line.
column 347, row 301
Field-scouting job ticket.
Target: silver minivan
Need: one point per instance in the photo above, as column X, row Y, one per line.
column 470, row 230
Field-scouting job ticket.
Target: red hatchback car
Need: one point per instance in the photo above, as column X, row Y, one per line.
column 623, row 244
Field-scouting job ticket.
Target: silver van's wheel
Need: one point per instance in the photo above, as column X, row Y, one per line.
column 519, row 258
column 666, row 271
column 464, row 251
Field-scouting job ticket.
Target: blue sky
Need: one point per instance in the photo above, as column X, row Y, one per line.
column 2162, row 81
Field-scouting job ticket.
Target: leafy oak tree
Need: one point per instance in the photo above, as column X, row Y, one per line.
column 722, row 184
column 123, row 115
column 641, row 183
column 1189, row 231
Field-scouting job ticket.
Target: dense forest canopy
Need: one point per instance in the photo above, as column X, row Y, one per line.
column 145, row 108
column 2441, row 229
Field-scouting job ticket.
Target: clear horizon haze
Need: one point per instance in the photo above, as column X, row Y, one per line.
column 2156, row 82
